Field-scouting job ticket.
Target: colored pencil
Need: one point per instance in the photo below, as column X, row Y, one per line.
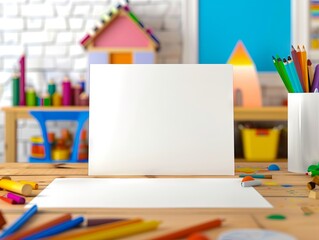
column 99, row 221
column 82, row 234
column 19, row 223
column 290, row 76
column 315, row 83
column 304, row 68
column 297, row 66
column 23, row 234
column 120, row 232
column 54, row 230
column 280, row 72
column 310, row 72
column 256, row 176
column 188, row 231
column 294, row 75
column 285, row 75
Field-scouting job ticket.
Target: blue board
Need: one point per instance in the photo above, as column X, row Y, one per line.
column 263, row 26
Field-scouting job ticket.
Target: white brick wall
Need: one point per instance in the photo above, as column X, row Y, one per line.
column 49, row 32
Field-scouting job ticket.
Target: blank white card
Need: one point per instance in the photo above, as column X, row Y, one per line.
column 149, row 193
column 161, row 119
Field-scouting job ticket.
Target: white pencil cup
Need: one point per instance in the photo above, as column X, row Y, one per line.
column 303, row 131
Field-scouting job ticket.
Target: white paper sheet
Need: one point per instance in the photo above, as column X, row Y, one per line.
column 170, row 119
column 149, row 193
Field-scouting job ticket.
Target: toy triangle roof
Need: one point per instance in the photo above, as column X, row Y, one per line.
column 240, row 55
column 107, row 19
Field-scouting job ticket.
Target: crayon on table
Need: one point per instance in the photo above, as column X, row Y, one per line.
column 16, row 198
column 7, row 200
column 34, row 185
column 19, row 223
column 26, row 233
column 9, row 185
column 82, row 234
column 183, row 233
column 252, row 183
column 257, row 176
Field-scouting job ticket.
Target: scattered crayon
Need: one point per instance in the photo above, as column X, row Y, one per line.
column 17, row 199
column 9, row 185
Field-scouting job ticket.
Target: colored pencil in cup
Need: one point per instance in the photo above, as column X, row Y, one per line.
column 315, row 83
column 285, row 75
column 294, row 75
column 310, row 72
column 280, row 72
column 297, row 66
column 304, row 68
column 290, row 76
column 190, row 230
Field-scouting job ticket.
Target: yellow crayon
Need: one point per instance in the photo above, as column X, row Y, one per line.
column 12, row 186
column 120, row 232
column 34, row 185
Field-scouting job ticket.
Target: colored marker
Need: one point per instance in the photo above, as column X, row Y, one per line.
column 256, row 176
column 252, row 183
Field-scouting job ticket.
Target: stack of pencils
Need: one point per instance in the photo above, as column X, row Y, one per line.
column 297, row 72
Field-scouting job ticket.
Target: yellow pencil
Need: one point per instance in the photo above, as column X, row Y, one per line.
column 91, row 230
column 305, row 68
column 34, row 185
column 120, row 232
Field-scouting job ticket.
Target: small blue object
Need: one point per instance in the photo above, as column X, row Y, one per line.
column 286, row 185
column 273, row 167
column 19, row 223
column 56, row 229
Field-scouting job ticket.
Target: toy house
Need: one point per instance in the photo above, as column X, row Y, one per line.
column 121, row 38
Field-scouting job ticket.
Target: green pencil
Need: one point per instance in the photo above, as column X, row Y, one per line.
column 285, row 75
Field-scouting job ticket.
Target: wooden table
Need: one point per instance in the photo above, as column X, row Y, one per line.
column 287, row 201
column 13, row 114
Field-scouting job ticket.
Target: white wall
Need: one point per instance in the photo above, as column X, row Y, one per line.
column 49, row 32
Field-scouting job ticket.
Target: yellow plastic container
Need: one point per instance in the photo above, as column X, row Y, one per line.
column 260, row 144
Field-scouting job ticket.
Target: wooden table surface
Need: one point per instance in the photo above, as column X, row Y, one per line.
column 287, row 201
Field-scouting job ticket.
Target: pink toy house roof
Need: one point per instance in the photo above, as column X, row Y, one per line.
column 120, row 28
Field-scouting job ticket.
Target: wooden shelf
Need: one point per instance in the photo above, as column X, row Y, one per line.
column 261, row 114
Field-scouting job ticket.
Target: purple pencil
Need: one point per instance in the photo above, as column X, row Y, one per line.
column 315, row 83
